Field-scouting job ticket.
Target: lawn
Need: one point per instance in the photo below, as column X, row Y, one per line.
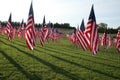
column 59, row 60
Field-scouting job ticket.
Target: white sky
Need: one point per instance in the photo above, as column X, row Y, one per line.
column 62, row 11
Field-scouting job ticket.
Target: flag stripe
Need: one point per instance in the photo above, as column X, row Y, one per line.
column 91, row 33
column 30, row 31
column 118, row 41
column 28, row 41
column 81, row 39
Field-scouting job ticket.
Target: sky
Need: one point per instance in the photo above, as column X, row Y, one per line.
column 62, row 11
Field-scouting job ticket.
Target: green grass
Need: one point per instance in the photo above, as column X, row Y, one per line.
column 59, row 60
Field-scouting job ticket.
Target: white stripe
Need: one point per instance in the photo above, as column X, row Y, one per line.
column 31, row 47
column 95, row 39
column 87, row 30
column 28, row 33
column 82, row 38
column 80, row 41
column 92, row 35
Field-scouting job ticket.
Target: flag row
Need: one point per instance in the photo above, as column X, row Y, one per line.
column 29, row 32
column 87, row 37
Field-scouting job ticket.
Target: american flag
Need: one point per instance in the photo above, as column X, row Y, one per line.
column 30, row 30
column 21, row 29
column 43, row 32
column 104, row 39
column 80, row 36
column 118, row 41
column 44, row 29
column 91, row 33
column 82, row 27
column 50, row 25
column 41, row 38
column 9, row 28
column 72, row 36
column 57, row 34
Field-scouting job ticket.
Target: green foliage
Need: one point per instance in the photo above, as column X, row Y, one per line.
column 112, row 31
column 65, row 26
column 101, row 28
column 38, row 25
column 103, row 25
column 109, row 30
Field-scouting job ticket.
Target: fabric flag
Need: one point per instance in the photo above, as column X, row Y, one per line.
column 21, row 29
column 91, row 33
column 50, row 25
column 104, row 39
column 57, row 34
column 43, row 32
column 72, row 37
column 44, row 29
column 41, row 38
column 75, row 39
column 82, row 27
column 118, row 41
column 81, row 38
column 30, row 30
column 9, row 28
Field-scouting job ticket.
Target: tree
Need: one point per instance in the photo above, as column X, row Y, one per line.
column 64, row 25
column 118, row 27
column 101, row 27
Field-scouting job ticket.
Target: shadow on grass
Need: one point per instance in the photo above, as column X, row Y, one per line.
column 21, row 69
column 79, row 65
column 63, row 53
column 53, row 67
column 86, row 67
column 89, row 68
column 64, row 50
column 68, row 49
column 58, row 69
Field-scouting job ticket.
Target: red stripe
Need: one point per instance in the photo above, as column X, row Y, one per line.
column 118, row 41
column 81, row 39
column 27, row 42
column 41, row 39
column 9, row 31
column 91, row 35
column 30, row 33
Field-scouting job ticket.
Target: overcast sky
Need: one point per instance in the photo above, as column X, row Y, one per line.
column 62, row 11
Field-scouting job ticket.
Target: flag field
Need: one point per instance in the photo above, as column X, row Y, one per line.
column 59, row 60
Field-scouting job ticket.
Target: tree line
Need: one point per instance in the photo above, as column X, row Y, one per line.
column 38, row 25
column 101, row 26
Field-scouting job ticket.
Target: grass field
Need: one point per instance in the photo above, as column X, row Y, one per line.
column 56, row 61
